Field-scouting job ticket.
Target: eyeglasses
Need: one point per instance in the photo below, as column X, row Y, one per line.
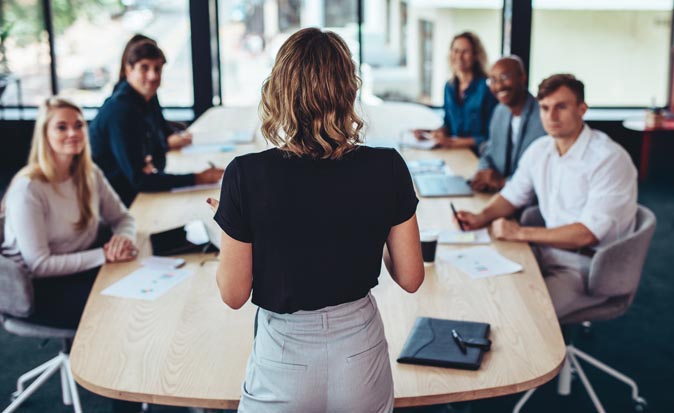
column 502, row 78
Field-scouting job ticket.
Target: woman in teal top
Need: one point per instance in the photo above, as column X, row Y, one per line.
column 468, row 101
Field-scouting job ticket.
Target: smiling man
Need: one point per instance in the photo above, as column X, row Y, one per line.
column 586, row 187
column 128, row 138
column 515, row 124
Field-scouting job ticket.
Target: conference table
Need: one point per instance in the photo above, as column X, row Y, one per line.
column 187, row 348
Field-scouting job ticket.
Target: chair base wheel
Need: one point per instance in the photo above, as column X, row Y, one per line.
column 640, row 405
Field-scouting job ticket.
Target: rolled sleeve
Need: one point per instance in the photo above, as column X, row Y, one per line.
column 612, row 202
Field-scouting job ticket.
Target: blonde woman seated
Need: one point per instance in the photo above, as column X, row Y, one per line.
column 53, row 209
column 305, row 226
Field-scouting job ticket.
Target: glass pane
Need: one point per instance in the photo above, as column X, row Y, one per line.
column 406, row 44
column 24, row 54
column 252, row 31
column 91, row 35
column 620, row 50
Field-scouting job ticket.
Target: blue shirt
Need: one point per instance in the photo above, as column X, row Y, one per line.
column 470, row 116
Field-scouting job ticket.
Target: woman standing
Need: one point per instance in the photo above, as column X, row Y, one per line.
column 468, row 101
column 305, row 226
column 53, row 209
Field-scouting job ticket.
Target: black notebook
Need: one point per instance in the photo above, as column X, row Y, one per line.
column 431, row 343
column 189, row 238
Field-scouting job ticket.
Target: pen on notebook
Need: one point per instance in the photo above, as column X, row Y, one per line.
column 456, row 216
column 459, row 341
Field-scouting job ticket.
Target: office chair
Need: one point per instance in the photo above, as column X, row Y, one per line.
column 16, row 306
column 615, row 272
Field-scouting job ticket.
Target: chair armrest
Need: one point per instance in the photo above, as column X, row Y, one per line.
column 531, row 217
column 16, row 289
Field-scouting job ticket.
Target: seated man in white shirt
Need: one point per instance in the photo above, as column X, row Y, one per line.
column 586, row 187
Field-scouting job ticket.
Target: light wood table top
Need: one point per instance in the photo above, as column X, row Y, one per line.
column 187, row 348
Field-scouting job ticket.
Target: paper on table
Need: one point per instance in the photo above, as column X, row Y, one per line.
column 147, row 283
column 425, row 145
column 410, row 141
column 206, row 148
column 480, row 236
column 429, row 166
column 226, row 136
column 480, row 262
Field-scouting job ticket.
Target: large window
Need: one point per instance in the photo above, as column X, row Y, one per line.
column 252, row 31
column 406, row 43
column 24, row 54
column 619, row 49
column 90, row 38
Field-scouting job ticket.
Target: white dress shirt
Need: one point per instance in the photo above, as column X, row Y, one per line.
column 594, row 183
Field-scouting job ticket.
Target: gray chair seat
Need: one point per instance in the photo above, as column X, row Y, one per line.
column 24, row 328
column 615, row 272
column 16, row 307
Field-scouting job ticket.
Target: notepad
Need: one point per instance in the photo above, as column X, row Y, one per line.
column 430, row 343
column 480, row 236
column 479, row 262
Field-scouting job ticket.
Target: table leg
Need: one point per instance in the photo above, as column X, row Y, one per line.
column 645, row 153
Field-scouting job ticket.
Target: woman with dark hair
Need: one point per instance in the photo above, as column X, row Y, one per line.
column 176, row 134
column 468, row 101
column 305, row 227
column 129, row 135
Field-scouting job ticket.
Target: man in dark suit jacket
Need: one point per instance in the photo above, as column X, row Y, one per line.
column 516, row 123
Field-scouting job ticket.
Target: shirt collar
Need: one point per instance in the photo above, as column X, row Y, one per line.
column 579, row 147
column 471, row 87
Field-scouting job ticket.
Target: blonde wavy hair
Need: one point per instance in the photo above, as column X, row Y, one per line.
column 42, row 166
column 307, row 106
column 481, row 63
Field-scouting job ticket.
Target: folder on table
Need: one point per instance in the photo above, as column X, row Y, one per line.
column 431, row 343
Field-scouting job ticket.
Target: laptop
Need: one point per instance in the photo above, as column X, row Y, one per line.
column 437, row 185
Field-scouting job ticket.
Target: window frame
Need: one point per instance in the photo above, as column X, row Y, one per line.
column 207, row 88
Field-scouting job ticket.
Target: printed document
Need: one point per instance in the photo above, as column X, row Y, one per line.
column 480, row 262
column 147, row 283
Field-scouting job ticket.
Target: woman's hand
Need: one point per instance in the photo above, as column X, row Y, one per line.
column 213, row 203
column 120, row 248
column 179, row 140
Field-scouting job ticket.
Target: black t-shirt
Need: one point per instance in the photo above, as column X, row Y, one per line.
column 318, row 227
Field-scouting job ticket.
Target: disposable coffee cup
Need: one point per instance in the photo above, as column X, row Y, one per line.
column 429, row 243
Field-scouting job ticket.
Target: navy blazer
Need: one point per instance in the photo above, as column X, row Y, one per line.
column 531, row 128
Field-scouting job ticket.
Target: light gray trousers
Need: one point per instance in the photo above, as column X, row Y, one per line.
column 329, row 360
column 566, row 276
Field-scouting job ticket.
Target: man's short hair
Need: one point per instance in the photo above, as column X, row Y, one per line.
column 551, row 84
column 145, row 49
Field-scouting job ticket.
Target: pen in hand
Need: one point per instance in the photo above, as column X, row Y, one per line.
column 459, row 341
column 456, row 216
column 211, row 164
